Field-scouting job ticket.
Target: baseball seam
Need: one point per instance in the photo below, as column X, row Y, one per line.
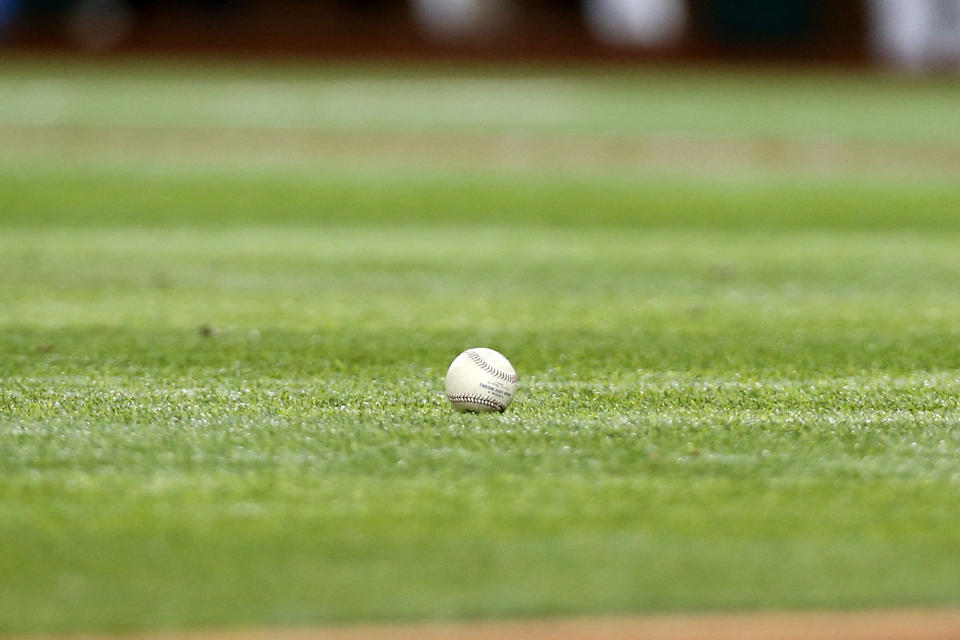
column 492, row 370
column 475, row 399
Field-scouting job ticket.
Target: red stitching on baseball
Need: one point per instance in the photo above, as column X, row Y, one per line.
column 474, row 399
column 489, row 368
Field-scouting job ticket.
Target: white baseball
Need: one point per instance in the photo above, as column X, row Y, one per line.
column 481, row 379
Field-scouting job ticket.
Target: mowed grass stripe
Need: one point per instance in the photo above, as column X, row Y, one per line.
column 48, row 196
column 481, row 99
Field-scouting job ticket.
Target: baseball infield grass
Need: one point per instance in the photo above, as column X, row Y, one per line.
column 228, row 298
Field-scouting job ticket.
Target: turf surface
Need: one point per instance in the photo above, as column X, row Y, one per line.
column 228, row 297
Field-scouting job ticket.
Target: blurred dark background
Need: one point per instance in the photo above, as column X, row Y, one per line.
column 909, row 33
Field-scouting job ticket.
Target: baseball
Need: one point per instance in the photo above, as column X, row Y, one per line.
column 481, row 379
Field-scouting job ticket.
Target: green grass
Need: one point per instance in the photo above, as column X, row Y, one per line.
column 221, row 370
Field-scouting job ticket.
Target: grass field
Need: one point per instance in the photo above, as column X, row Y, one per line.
column 229, row 295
